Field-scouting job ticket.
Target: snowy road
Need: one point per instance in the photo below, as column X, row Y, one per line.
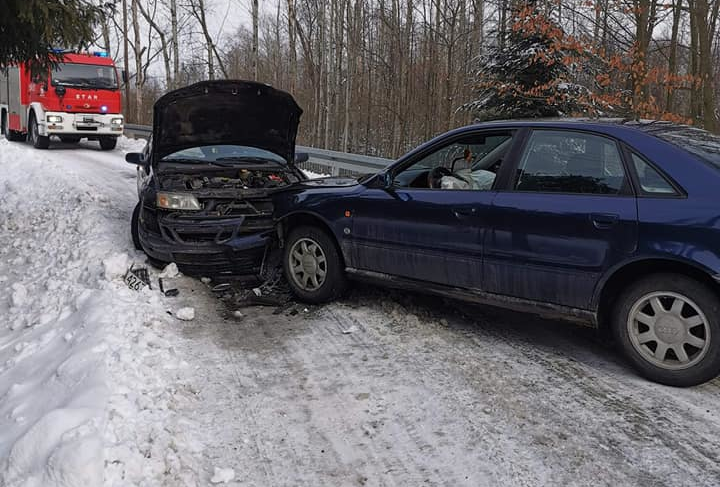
column 379, row 389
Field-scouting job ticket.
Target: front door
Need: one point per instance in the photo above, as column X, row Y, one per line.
column 567, row 217
column 429, row 223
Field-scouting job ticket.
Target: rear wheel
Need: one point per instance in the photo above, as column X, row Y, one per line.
column 10, row 135
column 38, row 141
column 313, row 265
column 669, row 328
column 69, row 140
column 108, row 143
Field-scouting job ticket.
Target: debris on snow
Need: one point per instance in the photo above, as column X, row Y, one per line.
column 137, row 278
column 221, row 288
column 170, row 271
column 222, row 475
column 186, row 314
column 352, row 329
column 171, row 293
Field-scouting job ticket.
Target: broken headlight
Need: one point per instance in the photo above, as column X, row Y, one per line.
column 178, row 201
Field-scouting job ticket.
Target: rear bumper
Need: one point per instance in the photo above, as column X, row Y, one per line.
column 235, row 254
column 82, row 124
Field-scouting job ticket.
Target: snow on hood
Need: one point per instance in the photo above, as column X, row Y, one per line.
column 226, row 112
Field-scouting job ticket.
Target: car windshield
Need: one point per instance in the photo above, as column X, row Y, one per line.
column 696, row 141
column 226, row 154
column 85, row 76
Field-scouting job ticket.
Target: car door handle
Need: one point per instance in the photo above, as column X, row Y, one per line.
column 603, row 221
column 464, row 212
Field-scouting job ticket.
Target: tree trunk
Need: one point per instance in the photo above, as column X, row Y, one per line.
column 137, row 47
column 672, row 57
column 175, row 43
column 292, row 44
column 255, row 46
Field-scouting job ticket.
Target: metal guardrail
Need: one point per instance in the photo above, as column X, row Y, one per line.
column 321, row 160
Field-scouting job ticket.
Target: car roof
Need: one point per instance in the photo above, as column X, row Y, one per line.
column 602, row 125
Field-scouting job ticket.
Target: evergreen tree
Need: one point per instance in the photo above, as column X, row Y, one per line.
column 29, row 29
column 534, row 72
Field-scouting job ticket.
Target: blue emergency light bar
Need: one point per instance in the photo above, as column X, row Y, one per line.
column 100, row 54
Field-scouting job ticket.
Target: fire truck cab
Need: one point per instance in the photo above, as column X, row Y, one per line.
column 78, row 99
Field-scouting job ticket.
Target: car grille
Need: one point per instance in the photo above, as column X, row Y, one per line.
column 220, row 263
column 212, row 224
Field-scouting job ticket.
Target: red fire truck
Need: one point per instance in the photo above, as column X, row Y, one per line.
column 80, row 98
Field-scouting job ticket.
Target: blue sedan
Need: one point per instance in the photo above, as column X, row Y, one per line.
column 610, row 224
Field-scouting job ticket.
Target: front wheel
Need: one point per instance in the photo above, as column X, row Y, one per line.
column 668, row 326
column 38, row 141
column 135, row 227
column 313, row 265
column 108, row 143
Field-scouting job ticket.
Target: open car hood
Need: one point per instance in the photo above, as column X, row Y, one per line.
column 226, row 112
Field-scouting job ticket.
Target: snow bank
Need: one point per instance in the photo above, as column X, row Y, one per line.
column 85, row 397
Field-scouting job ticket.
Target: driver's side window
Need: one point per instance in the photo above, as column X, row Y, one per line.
column 469, row 163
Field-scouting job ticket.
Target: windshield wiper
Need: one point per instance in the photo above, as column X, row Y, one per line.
column 73, row 84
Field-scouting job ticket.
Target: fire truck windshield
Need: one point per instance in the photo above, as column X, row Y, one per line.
column 85, row 76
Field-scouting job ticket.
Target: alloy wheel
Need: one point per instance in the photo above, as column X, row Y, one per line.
column 668, row 330
column 308, row 264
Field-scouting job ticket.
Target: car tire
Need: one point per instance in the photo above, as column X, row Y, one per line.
column 668, row 326
column 108, row 143
column 38, row 141
column 10, row 135
column 313, row 265
column 135, row 226
column 69, row 140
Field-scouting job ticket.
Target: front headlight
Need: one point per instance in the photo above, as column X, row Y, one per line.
column 54, row 119
column 116, row 121
column 177, row 201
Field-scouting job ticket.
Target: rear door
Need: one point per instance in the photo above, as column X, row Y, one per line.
column 567, row 215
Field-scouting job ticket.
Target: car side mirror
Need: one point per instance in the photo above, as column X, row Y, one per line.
column 301, row 157
column 386, row 180
column 135, row 158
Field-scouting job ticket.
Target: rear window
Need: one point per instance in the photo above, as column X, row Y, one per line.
column 696, row 141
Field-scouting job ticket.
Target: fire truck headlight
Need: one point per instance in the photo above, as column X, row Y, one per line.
column 54, row 119
column 116, row 121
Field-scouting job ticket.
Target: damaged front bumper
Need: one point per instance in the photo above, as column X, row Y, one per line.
column 228, row 246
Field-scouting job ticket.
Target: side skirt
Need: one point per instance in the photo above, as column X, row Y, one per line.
column 546, row 310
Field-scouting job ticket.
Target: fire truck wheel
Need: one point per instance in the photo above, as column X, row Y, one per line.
column 38, row 141
column 10, row 135
column 108, row 143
